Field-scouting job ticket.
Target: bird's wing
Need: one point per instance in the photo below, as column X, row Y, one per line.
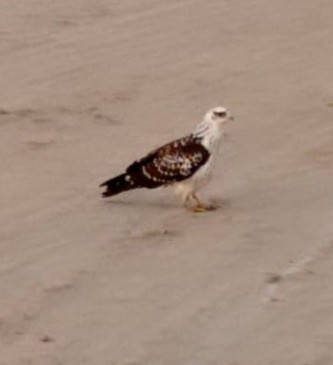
column 175, row 161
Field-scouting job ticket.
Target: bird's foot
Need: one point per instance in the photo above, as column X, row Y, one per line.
column 202, row 208
column 198, row 206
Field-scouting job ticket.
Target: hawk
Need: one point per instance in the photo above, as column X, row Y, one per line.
column 184, row 163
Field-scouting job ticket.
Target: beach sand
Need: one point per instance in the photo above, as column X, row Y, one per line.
column 89, row 86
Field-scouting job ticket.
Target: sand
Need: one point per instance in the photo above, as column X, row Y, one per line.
column 88, row 86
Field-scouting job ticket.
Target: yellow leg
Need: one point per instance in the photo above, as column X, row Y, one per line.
column 200, row 207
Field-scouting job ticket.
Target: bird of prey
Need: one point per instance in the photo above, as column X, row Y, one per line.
column 184, row 164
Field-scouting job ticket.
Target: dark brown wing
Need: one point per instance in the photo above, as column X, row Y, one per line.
column 173, row 162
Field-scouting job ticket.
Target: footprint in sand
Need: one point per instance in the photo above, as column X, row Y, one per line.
column 321, row 156
column 4, row 112
column 40, row 145
column 160, row 234
column 101, row 118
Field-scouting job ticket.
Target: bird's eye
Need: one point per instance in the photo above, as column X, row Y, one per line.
column 221, row 114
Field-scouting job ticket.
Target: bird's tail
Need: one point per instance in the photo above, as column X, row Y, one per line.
column 118, row 185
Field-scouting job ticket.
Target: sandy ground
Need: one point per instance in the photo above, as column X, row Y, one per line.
column 86, row 87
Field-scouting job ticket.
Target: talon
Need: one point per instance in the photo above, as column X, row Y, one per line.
column 199, row 208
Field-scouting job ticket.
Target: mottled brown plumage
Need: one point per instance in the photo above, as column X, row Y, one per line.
column 173, row 162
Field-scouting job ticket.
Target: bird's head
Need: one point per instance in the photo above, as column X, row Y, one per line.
column 218, row 115
column 211, row 127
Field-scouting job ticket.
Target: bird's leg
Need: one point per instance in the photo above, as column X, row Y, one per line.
column 187, row 202
column 200, row 207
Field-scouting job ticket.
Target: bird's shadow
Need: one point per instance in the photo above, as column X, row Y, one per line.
column 218, row 202
column 140, row 203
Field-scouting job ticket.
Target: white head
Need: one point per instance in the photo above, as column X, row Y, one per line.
column 210, row 129
column 218, row 115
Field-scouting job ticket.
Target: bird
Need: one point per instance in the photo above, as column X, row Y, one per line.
column 185, row 163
